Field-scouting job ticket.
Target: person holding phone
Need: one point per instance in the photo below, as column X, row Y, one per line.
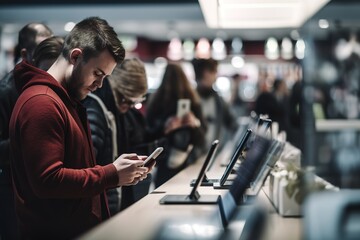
column 185, row 134
column 118, row 127
column 59, row 188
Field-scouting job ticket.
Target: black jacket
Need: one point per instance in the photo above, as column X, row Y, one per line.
column 131, row 136
column 8, row 97
column 225, row 120
column 266, row 103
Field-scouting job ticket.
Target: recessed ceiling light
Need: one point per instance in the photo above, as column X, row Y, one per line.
column 69, row 26
column 323, row 23
column 258, row 13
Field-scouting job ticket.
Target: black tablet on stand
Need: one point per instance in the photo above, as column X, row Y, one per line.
column 194, row 197
column 211, row 182
column 216, row 225
column 261, row 173
column 264, row 127
column 256, row 156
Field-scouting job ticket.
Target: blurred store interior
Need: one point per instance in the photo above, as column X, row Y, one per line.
column 158, row 31
column 323, row 50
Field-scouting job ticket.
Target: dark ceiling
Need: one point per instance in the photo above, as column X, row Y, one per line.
column 87, row 2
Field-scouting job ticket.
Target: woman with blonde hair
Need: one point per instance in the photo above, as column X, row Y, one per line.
column 117, row 127
column 129, row 84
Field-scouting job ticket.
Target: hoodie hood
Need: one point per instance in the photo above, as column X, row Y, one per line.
column 26, row 75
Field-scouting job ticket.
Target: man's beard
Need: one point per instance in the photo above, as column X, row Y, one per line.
column 73, row 85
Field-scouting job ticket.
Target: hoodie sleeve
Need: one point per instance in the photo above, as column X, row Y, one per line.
column 54, row 153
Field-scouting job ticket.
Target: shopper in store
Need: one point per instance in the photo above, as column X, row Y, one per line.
column 273, row 102
column 59, row 189
column 185, row 134
column 47, row 52
column 237, row 104
column 117, row 127
column 220, row 121
column 29, row 37
column 296, row 115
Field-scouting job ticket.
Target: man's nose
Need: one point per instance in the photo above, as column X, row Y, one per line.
column 99, row 82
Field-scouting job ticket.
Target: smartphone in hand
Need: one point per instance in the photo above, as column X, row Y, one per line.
column 183, row 107
column 150, row 159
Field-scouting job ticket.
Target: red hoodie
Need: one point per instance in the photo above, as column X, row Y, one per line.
column 59, row 191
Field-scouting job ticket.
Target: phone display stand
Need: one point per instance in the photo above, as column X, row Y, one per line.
column 194, row 197
column 226, row 185
column 205, row 182
column 224, row 178
column 185, row 199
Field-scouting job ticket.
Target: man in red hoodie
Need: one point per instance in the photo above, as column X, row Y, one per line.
column 59, row 189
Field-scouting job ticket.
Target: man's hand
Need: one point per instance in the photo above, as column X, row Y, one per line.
column 144, row 175
column 130, row 169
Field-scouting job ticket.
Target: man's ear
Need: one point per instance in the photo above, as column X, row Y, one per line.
column 23, row 54
column 75, row 54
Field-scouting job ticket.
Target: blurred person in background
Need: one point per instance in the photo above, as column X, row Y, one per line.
column 29, row 37
column 274, row 103
column 47, row 52
column 296, row 115
column 185, row 136
column 117, row 127
column 281, row 93
column 221, row 123
column 237, row 104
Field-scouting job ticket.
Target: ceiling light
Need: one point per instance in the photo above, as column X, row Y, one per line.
column 323, row 23
column 344, row 49
column 218, row 49
column 188, row 48
column 236, row 46
column 160, row 62
column 69, row 26
column 237, row 61
column 295, row 35
column 202, row 49
column 286, row 49
column 175, row 49
column 300, row 49
column 129, row 42
column 272, row 48
column 258, row 13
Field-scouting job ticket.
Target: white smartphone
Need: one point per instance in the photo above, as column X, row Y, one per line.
column 150, row 159
column 183, row 107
